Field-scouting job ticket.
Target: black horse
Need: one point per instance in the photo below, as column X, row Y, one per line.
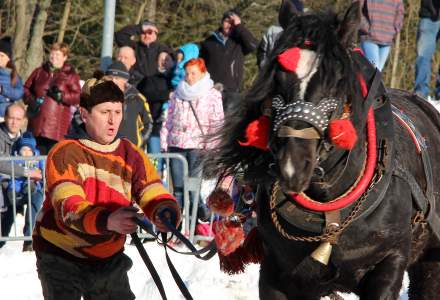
column 341, row 241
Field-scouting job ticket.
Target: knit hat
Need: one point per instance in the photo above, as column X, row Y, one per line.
column 95, row 92
column 118, row 69
column 28, row 140
column 148, row 23
column 5, row 46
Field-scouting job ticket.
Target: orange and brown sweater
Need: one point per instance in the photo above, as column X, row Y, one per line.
column 86, row 181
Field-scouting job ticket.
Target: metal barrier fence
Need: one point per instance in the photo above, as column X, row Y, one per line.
column 6, row 179
column 189, row 185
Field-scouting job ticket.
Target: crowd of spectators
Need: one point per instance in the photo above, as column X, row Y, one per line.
column 172, row 97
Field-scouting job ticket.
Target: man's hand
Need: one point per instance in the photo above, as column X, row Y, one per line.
column 122, row 220
column 235, row 20
column 169, row 211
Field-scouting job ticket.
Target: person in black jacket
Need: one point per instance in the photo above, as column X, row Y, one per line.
column 147, row 49
column 224, row 51
column 157, row 90
column 428, row 31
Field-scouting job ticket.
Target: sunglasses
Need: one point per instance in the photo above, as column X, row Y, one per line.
column 149, row 31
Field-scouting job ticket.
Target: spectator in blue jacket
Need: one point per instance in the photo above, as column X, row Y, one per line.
column 184, row 54
column 11, row 87
column 25, row 146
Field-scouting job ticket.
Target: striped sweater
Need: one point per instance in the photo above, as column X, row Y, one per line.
column 381, row 20
column 86, row 181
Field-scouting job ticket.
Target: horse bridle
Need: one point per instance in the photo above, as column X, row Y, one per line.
column 318, row 116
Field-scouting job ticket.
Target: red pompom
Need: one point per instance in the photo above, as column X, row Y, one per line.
column 289, row 59
column 342, row 134
column 220, row 202
column 228, row 236
column 257, row 133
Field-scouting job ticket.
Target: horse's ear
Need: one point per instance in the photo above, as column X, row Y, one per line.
column 349, row 27
column 287, row 11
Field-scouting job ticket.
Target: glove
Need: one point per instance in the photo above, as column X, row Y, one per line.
column 55, row 93
column 168, row 210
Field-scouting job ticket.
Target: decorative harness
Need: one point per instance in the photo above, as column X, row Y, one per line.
column 368, row 190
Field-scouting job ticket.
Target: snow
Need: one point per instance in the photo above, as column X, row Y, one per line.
column 19, row 279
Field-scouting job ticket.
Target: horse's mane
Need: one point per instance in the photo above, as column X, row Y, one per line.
column 322, row 30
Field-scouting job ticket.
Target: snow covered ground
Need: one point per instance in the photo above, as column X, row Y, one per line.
column 19, row 279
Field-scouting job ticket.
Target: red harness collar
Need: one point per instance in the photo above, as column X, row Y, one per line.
column 361, row 184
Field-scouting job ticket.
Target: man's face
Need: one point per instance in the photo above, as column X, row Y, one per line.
column 127, row 57
column 57, row 58
column 14, row 120
column 226, row 26
column 148, row 34
column 102, row 121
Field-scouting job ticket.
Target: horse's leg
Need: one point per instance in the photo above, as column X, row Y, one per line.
column 268, row 283
column 424, row 280
column 385, row 280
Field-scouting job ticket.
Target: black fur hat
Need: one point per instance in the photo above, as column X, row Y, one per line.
column 6, row 47
column 97, row 92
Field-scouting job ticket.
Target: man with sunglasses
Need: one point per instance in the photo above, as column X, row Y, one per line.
column 147, row 49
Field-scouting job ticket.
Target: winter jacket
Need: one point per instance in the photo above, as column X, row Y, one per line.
column 267, row 44
column 381, row 20
column 225, row 58
column 146, row 56
column 181, row 128
column 137, row 122
column 430, row 9
column 85, row 183
column 189, row 51
column 6, row 145
column 8, row 92
column 53, row 118
column 156, row 89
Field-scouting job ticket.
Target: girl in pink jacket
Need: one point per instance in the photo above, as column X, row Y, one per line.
column 195, row 110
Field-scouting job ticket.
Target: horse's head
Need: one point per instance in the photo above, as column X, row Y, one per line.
column 313, row 83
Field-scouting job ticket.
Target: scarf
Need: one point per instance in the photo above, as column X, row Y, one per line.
column 187, row 92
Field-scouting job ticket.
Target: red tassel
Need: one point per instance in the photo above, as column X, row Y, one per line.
column 250, row 252
column 342, row 133
column 289, row 59
column 257, row 133
column 220, row 202
column 233, row 263
column 253, row 247
column 228, row 236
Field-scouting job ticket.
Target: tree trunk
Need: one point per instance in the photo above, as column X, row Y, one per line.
column 141, row 12
column 151, row 16
column 35, row 52
column 64, row 19
column 21, row 35
column 394, row 79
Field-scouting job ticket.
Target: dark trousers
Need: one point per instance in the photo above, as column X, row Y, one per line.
column 68, row 280
column 44, row 144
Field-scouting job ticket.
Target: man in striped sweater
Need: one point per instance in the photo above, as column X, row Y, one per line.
column 92, row 181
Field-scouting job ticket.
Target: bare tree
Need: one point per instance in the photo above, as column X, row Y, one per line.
column 35, row 52
column 152, row 8
column 64, row 20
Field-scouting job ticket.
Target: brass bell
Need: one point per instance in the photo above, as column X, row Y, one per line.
column 322, row 253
